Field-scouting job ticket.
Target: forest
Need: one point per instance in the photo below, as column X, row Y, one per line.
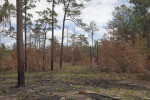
column 54, row 50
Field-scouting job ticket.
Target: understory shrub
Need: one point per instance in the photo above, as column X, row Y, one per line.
column 120, row 56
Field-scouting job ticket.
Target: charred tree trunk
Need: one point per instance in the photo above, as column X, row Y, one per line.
column 44, row 52
column 148, row 40
column 92, row 49
column 67, row 37
column 20, row 48
column 97, row 51
column 55, row 51
column 62, row 42
column 90, row 55
column 0, row 51
column 61, row 53
column 39, row 43
column 25, row 23
column 52, row 45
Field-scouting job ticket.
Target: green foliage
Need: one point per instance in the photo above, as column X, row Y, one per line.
column 73, row 39
column 125, row 23
column 5, row 51
column 141, row 6
column 141, row 9
column 1, row 91
column 28, row 5
column 141, row 44
column 97, row 90
column 82, row 40
column 47, row 93
column 71, row 98
column 78, row 40
column 31, row 81
column 77, row 86
column 92, row 28
column 37, row 90
column 7, row 11
column 72, row 9
column 61, row 90
column 44, row 22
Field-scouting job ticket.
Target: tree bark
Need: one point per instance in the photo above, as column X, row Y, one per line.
column 20, row 47
column 52, row 43
column 61, row 53
column 0, row 51
column 90, row 56
column 92, row 49
column 148, row 40
column 39, row 43
column 64, row 20
column 25, row 36
column 44, row 52
column 67, row 37
column 97, row 51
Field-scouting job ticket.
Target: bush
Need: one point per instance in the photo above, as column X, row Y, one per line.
column 120, row 56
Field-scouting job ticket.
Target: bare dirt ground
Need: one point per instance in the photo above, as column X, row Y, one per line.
column 73, row 83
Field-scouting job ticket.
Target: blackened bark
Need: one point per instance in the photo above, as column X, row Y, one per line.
column 61, row 53
column 148, row 40
column 0, row 51
column 20, row 47
column 52, row 43
column 97, row 51
column 39, row 43
column 25, row 35
column 62, row 42
column 44, row 52
column 90, row 54
column 67, row 36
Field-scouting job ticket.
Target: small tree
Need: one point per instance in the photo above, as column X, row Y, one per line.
column 27, row 5
column 72, row 10
column 7, row 11
column 46, row 25
column 92, row 28
column 141, row 7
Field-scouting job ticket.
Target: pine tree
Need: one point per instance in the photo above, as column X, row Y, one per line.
column 45, row 23
column 27, row 5
column 20, row 49
column 72, row 10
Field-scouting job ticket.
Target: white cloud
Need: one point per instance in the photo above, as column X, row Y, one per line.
column 149, row 10
column 98, row 10
column 8, row 41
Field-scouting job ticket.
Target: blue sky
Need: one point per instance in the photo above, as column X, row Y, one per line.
column 99, row 11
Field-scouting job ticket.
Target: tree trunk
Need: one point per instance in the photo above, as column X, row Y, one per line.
column 148, row 40
column 44, row 52
column 39, row 43
column 0, row 51
column 92, row 49
column 55, row 51
column 62, row 42
column 25, row 36
column 92, row 46
column 52, row 43
column 67, row 37
column 90, row 56
column 20, row 49
column 97, row 51
column 61, row 53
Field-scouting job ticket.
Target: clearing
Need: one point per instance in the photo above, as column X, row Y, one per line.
column 74, row 83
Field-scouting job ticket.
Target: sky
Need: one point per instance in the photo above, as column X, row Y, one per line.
column 99, row 11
